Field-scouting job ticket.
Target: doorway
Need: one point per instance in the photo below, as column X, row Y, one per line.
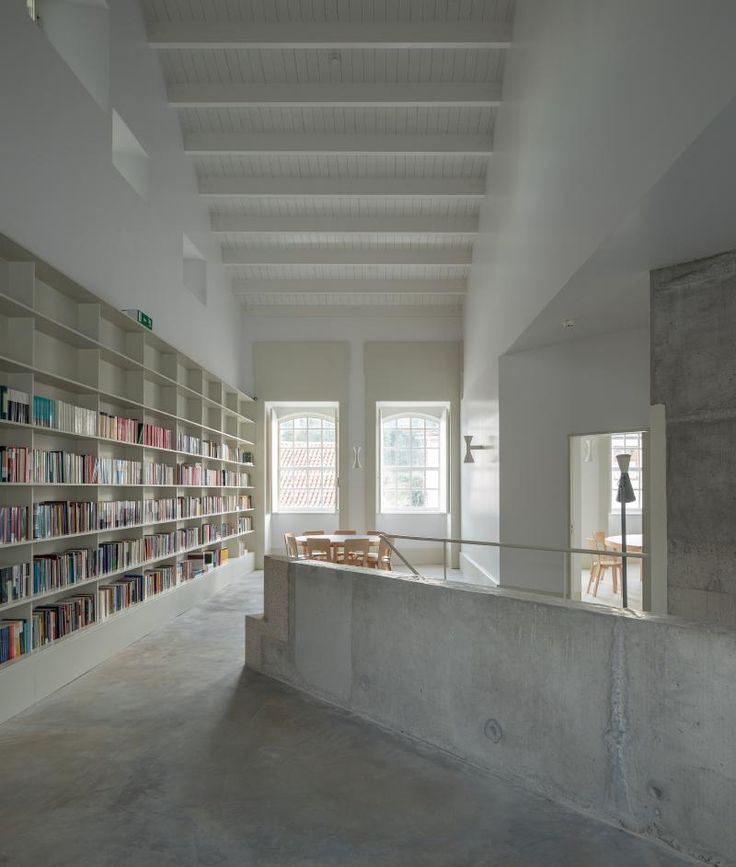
column 595, row 517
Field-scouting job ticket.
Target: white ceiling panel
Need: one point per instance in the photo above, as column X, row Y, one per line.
column 339, row 120
column 278, row 11
column 343, row 161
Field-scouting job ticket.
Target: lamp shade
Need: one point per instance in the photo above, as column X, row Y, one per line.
column 625, row 492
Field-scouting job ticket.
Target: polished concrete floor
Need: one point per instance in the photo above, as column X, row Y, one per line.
column 172, row 754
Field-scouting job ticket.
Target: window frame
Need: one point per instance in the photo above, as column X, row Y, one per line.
column 637, row 507
column 439, row 413
column 286, row 412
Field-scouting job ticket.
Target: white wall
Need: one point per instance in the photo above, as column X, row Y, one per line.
column 61, row 197
column 599, row 100
column 321, row 357
column 547, row 394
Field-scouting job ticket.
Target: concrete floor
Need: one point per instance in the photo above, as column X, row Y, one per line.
column 172, row 754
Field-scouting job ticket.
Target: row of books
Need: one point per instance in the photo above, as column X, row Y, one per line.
column 14, row 405
column 130, row 430
column 52, row 518
column 131, row 590
column 20, row 464
column 62, row 517
column 175, row 508
column 56, row 571
column 54, row 414
column 119, row 513
column 14, row 639
column 58, row 467
column 196, row 474
column 62, row 617
column 62, row 416
column 212, row 449
column 59, row 415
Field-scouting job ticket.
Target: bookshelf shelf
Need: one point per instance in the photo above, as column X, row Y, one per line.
column 74, row 370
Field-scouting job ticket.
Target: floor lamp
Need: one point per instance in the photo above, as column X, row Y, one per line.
column 624, row 495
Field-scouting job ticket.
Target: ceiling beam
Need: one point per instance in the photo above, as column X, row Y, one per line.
column 286, row 143
column 342, row 256
column 249, row 225
column 419, row 287
column 340, row 95
column 329, row 35
column 383, row 187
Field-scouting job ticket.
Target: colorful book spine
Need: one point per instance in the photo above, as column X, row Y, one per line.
column 117, row 471
column 14, row 525
column 55, row 571
column 158, row 474
column 60, row 518
column 14, row 405
column 121, row 594
column 120, row 554
column 14, row 639
column 119, row 513
column 58, row 467
column 54, row 621
column 15, row 582
column 15, row 464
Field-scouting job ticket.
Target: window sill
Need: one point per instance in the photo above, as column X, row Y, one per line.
column 304, row 512
column 414, row 512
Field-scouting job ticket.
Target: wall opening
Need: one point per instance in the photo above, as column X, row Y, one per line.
column 595, row 518
column 128, row 156
column 80, row 31
column 194, row 270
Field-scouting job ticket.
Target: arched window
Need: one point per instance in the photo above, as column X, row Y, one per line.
column 306, row 463
column 413, row 448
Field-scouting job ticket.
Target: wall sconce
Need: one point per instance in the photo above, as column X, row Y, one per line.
column 469, row 449
column 357, row 465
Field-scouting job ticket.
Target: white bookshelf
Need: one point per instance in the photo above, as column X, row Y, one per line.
column 60, row 341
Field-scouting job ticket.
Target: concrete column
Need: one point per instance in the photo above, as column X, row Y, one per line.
column 694, row 375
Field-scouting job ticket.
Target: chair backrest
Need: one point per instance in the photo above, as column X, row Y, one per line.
column 313, row 533
column 599, row 537
column 319, row 547
column 292, row 549
column 345, row 532
column 356, row 551
column 373, row 532
column 384, row 555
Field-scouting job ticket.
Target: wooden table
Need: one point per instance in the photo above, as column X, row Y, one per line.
column 634, row 543
column 338, row 541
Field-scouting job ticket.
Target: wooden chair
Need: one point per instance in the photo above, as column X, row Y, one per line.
column 382, row 558
column 313, row 533
column 356, row 552
column 292, row 547
column 338, row 550
column 319, row 549
column 602, row 563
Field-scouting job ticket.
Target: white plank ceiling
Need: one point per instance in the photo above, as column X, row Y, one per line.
column 341, row 145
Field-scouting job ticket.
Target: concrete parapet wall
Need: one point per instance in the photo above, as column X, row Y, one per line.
column 630, row 718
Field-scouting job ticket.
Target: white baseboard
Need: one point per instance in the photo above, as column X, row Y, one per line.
column 475, row 572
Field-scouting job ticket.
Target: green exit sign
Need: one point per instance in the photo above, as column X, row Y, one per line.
column 145, row 320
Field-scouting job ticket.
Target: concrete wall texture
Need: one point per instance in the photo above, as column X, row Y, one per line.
column 626, row 717
column 694, row 376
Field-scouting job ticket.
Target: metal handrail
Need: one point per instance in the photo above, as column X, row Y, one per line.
column 388, row 537
column 597, row 551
